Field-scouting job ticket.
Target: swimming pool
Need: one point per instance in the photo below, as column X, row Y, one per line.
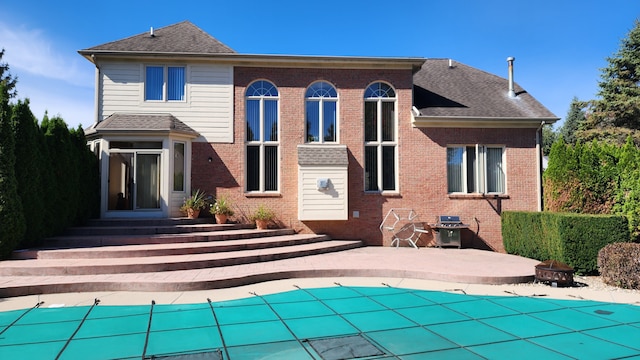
column 338, row 322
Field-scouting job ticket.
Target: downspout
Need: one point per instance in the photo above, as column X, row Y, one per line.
column 539, row 163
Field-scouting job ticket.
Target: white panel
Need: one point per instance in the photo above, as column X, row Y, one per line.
column 209, row 98
column 314, row 204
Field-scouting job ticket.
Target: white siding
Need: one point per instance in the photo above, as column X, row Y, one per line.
column 330, row 204
column 208, row 108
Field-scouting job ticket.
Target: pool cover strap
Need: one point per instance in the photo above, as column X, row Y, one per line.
column 95, row 303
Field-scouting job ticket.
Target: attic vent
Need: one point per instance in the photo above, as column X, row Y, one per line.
column 151, row 32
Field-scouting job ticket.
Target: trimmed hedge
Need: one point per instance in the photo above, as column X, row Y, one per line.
column 620, row 265
column 573, row 239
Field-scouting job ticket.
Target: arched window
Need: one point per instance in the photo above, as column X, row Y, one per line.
column 380, row 138
column 321, row 104
column 261, row 139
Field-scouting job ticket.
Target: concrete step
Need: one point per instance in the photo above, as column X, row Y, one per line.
column 223, row 232
column 237, row 243
column 119, row 222
column 146, row 264
column 145, row 229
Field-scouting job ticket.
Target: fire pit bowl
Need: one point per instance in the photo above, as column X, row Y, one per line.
column 554, row 273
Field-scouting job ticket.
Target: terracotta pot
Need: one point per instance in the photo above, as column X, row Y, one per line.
column 193, row 213
column 262, row 224
column 221, row 218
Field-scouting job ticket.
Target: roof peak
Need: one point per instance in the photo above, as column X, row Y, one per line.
column 182, row 37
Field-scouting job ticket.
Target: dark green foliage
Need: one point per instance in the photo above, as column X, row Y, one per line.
column 12, row 224
column 620, row 265
column 573, row 239
column 7, row 79
column 618, row 106
column 595, row 178
column 581, row 178
column 28, row 171
column 574, row 120
column 49, row 179
column 548, row 138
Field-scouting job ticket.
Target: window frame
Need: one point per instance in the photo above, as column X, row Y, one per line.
column 165, row 83
column 263, row 145
column 183, row 165
column 381, row 96
column 321, row 100
column 481, row 170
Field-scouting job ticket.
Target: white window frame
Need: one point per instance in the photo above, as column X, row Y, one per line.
column 184, row 167
column 481, row 173
column 321, row 100
column 261, row 142
column 165, row 86
column 380, row 144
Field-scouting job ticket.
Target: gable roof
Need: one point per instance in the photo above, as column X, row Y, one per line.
column 463, row 96
column 149, row 123
column 182, row 38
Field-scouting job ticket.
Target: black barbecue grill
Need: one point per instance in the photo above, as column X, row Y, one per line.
column 447, row 229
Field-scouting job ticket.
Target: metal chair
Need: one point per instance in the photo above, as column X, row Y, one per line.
column 403, row 225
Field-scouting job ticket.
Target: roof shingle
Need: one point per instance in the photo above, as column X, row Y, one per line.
column 464, row 91
column 147, row 122
column 183, row 37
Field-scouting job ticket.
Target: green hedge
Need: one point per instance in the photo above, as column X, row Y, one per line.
column 573, row 239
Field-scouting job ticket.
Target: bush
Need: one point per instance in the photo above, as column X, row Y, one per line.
column 620, row 265
column 573, row 239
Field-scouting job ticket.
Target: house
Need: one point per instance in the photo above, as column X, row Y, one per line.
column 330, row 143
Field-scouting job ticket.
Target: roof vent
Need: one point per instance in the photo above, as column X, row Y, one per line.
column 450, row 64
column 151, row 34
column 512, row 92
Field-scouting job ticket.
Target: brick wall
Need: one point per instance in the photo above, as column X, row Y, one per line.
column 422, row 160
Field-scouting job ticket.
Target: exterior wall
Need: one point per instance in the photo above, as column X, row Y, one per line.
column 329, row 204
column 208, row 108
column 421, row 156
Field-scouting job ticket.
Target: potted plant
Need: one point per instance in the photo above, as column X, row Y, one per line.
column 193, row 204
column 221, row 209
column 262, row 216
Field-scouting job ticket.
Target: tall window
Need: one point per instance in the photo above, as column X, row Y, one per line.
column 380, row 139
column 262, row 137
column 475, row 169
column 178, row 166
column 321, row 112
column 164, row 83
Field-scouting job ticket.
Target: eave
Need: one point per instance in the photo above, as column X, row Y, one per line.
column 254, row 60
column 93, row 133
column 479, row 122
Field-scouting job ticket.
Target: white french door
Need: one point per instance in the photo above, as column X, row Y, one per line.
column 134, row 180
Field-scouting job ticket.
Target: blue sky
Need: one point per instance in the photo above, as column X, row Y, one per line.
column 559, row 46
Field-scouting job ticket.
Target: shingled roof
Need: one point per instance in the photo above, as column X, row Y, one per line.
column 182, row 38
column 142, row 122
column 460, row 90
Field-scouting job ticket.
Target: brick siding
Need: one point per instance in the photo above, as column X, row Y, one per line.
column 422, row 160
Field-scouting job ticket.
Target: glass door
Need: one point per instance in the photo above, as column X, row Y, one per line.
column 134, row 180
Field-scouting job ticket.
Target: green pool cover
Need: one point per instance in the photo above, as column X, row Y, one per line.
column 329, row 323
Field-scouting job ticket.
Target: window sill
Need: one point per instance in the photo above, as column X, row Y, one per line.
column 478, row 196
column 262, row 195
column 383, row 193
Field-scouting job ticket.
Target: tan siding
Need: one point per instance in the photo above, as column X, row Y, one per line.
column 209, row 98
column 328, row 204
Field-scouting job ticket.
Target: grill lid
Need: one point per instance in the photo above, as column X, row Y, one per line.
column 448, row 219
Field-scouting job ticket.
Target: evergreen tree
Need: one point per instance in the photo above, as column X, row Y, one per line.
column 8, row 80
column 574, row 120
column 12, row 223
column 548, row 138
column 29, row 168
column 618, row 106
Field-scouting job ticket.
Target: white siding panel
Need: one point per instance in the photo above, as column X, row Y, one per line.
column 330, row 204
column 208, row 108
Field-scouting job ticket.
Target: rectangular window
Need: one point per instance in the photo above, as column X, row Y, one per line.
column 178, row 166
column 154, row 85
column 164, row 83
column 476, row 169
